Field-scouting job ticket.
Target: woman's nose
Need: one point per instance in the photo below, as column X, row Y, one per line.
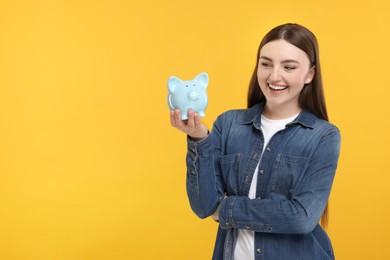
column 275, row 74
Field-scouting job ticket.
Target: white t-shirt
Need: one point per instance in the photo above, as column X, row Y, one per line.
column 245, row 245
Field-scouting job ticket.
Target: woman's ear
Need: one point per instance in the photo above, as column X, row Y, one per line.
column 310, row 75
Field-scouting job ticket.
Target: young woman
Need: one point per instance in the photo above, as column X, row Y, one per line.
column 265, row 173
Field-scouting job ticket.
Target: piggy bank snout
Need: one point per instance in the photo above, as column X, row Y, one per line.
column 193, row 95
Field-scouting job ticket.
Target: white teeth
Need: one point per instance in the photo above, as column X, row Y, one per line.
column 277, row 87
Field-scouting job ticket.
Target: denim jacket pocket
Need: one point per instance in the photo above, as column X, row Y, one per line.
column 230, row 165
column 286, row 173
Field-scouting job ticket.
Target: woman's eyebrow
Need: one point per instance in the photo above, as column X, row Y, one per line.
column 265, row 58
column 283, row 61
column 290, row 61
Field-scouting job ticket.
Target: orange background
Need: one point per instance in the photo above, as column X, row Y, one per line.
column 89, row 165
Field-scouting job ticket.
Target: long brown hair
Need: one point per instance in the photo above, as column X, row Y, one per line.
column 311, row 97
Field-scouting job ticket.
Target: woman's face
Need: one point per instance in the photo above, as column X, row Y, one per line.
column 282, row 73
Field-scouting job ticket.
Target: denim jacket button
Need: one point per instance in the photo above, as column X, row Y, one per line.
column 258, row 250
column 268, row 149
column 248, row 227
column 261, row 172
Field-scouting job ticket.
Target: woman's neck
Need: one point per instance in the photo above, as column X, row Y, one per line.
column 276, row 113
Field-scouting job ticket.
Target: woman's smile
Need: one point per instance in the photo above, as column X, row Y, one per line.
column 277, row 87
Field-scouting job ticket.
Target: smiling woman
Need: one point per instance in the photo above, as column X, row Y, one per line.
column 265, row 173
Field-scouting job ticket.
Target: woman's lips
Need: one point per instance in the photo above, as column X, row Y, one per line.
column 277, row 87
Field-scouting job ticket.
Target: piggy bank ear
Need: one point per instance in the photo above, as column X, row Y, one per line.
column 202, row 79
column 173, row 82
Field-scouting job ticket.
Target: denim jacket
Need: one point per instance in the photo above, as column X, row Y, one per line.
column 295, row 176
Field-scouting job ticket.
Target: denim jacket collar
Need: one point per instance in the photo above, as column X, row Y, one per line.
column 253, row 115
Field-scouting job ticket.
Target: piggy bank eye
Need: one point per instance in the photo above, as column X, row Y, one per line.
column 194, row 85
column 186, row 86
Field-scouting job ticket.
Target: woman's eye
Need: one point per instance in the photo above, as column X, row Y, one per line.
column 266, row 65
column 289, row 68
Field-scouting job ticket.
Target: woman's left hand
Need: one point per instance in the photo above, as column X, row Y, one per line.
column 215, row 215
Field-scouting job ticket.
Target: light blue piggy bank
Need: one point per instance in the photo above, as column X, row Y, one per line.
column 190, row 94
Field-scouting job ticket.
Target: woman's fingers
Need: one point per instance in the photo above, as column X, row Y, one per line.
column 192, row 127
column 190, row 123
column 197, row 121
column 177, row 122
column 172, row 118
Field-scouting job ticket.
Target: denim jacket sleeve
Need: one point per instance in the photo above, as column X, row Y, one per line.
column 298, row 214
column 204, row 184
